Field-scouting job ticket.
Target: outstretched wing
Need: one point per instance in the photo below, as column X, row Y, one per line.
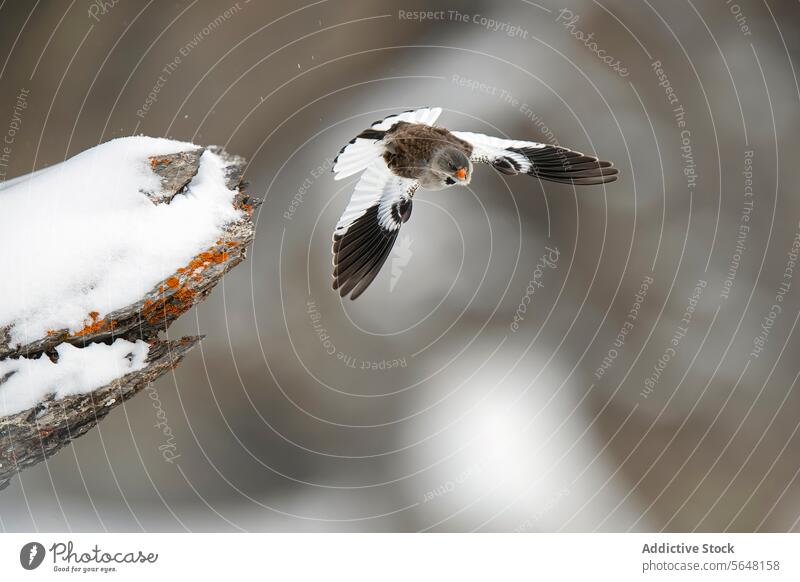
column 367, row 230
column 548, row 162
column 366, row 146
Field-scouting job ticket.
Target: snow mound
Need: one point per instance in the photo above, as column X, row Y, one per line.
column 80, row 239
column 78, row 371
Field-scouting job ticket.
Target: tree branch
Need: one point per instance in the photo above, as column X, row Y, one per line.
column 30, row 436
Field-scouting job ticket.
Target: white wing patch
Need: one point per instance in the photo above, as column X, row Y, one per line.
column 377, row 185
column 486, row 148
column 356, row 156
column 361, row 152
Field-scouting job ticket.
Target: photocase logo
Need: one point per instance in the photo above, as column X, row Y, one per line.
column 31, row 555
column 402, row 255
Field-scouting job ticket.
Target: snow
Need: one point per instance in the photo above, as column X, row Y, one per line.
column 80, row 237
column 78, row 371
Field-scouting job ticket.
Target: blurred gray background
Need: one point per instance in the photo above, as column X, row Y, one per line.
column 420, row 406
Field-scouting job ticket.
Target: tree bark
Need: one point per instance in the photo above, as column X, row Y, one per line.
column 30, row 436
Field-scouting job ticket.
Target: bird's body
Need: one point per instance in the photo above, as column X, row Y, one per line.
column 410, row 149
column 399, row 154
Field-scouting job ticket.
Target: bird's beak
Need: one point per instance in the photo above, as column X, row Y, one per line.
column 461, row 173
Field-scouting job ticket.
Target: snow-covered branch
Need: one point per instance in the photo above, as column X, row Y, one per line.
column 100, row 254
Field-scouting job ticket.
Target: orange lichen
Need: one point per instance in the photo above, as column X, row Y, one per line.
column 170, row 306
column 177, row 294
column 204, row 260
column 95, row 324
column 155, row 162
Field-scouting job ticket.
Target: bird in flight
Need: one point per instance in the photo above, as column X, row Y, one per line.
column 400, row 153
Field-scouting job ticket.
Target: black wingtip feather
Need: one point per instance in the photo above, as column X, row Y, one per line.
column 378, row 255
column 557, row 164
column 370, row 275
column 360, row 252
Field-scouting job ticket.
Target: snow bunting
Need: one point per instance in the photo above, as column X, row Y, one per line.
column 399, row 154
